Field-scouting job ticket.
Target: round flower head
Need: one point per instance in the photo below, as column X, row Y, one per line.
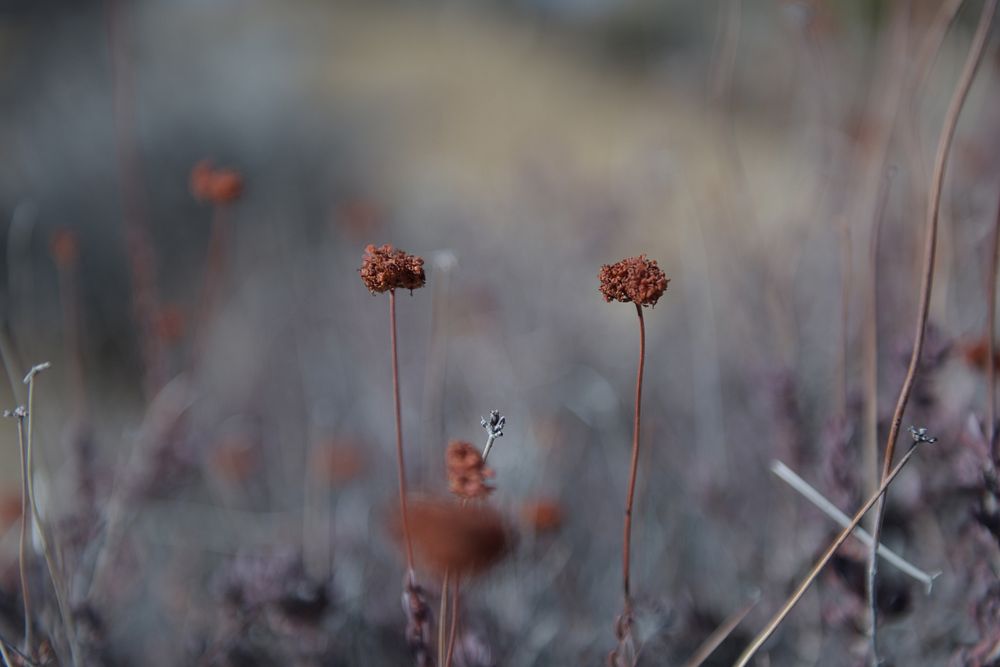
column 216, row 186
column 634, row 279
column 386, row 268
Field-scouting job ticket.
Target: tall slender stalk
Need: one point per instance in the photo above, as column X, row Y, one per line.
column 991, row 370
column 400, row 463
column 634, row 468
column 23, row 545
column 933, row 213
column 776, row 620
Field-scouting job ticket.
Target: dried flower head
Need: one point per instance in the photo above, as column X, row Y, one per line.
column 64, row 248
column 386, row 268
column 543, row 516
column 976, row 353
column 338, row 461
column 634, row 279
column 467, row 472
column 216, row 186
column 235, row 459
column 449, row 537
column 171, row 323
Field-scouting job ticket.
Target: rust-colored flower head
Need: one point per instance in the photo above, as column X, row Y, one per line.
column 338, row 461
column 235, row 459
column 64, row 248
column 216, row 186
column 543, row 515
column 467, row 472
column 976, row 352
column 456, row 538
column 386, row 268
column 634, row 279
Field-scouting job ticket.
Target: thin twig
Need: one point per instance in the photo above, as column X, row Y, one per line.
column 720, row 634
column 25, row 522
column 39, row 521
column 933, row 210
column 776, row 620
column 788, row 476
column 442, row 615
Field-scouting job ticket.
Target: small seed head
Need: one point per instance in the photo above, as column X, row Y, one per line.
column 385, row 268
column 634, row 279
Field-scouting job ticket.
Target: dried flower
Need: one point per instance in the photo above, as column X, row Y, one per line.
column 216, row 186
column 385, row 268
column 338, row 461
column 235, row 459
column 634, row 279
column 467, row 472
column 64, row 248
column 543, row 516
column 976, row 353
column 449, row 537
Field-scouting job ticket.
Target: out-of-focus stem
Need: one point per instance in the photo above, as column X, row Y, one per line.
column 933, row 213
column 400, row 463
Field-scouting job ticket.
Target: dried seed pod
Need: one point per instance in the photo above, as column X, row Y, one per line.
column 634, row 279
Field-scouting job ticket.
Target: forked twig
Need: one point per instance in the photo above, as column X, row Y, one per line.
column 800, row 590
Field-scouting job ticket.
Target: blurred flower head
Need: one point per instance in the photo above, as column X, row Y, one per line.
column 64, row 248
column 386, row 268
column 338, row 461
column 215, row 186
column 467, row 472
column 977, row 352
column 634, row 279
column 449, row 537
column 543, row 515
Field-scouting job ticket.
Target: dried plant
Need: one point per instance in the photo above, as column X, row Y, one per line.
column 639, row 281
column 467, row 472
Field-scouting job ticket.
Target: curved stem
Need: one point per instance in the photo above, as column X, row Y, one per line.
column 635, row 461
column 933, row 213
column 400, row 464
column 442, row 614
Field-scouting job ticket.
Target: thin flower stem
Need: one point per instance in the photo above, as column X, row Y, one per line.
column 22, row 549
column 720, row 634
column 776, row 620
column 454, row 624
column 933, row 214
column 991, row 370
column 442, row 612
column 400, row 463
column 635, row 462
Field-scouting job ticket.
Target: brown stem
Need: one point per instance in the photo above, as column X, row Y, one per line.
column 454, row 623
column 933, row 213
column 635, row 462
column 142, row 261
column 400, row 464
column 442, row 615
column 991, row 379
column 776, row 620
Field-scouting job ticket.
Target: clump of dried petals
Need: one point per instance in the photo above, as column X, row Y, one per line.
column 467, row 472
column 543, row 516
column 634, row 279
column 216, row 186
column 977, row 352
column 456, row 538
column 386, row 268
